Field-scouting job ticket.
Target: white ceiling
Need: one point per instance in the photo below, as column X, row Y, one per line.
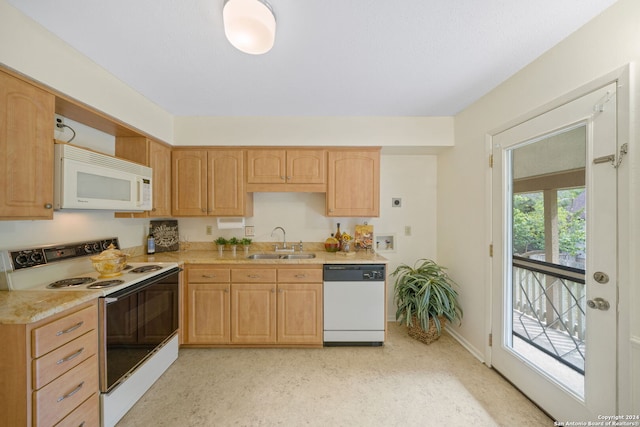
column 331, row 57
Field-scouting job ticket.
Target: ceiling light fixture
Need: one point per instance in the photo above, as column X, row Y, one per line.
column 249, row 25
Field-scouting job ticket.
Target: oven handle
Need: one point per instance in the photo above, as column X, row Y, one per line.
column 140, row 286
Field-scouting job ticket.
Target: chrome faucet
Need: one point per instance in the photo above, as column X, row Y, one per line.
column 284, row 241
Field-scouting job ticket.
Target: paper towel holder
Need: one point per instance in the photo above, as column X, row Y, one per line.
column 229, row 223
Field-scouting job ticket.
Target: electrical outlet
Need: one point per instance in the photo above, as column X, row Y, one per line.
column 249, row 231
column 407, row 230
column 209, row 230
column 59, row 122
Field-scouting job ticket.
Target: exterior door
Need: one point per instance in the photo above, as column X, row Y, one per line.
column 554, row 296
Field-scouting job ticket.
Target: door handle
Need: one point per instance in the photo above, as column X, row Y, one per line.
column 599, row 304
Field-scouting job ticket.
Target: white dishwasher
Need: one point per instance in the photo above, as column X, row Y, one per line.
column 354, row 304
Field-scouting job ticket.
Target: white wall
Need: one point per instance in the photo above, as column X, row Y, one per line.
column 414, row 133
column 30, row 49
column 607, row 43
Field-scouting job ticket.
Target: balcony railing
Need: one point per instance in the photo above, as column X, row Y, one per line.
column 549, row 309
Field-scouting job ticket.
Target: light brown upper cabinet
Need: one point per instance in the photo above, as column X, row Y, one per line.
column 275, row 169
column 353, row 182
column 209, row 182
column 158, row 157
column 26, row 150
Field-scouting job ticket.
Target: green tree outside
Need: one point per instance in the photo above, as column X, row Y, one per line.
column 528, row 222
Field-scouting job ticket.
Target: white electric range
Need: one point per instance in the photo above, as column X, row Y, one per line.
column 130, row 360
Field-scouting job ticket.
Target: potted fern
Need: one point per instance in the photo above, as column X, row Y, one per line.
column 425, row 299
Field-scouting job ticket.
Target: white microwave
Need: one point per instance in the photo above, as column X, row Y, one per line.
column 85, row 179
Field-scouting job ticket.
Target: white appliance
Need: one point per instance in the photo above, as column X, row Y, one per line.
column 128, row 366
column 354, row 304
column 85, row 179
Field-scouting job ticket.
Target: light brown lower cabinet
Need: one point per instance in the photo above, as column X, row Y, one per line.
column 254, row 305
column 49, row 376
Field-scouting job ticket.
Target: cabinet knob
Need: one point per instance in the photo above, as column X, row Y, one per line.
column 153, row 209
column 203, row 210
column 288, row 178
column 48, row 206
column 282, row 178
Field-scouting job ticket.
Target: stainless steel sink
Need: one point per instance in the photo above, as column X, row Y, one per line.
column 298, row 256
column 264, row 256
column 282, row 256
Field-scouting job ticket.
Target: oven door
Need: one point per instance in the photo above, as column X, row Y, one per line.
column 133, row 323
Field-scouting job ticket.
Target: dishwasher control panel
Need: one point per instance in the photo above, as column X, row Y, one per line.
column 354, row 272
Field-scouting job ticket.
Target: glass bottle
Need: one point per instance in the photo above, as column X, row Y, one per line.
column 151, row 242
column 338, row 236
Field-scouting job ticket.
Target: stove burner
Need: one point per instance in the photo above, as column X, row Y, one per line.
column 74, row 281
column 146, row 268
column 106, row 284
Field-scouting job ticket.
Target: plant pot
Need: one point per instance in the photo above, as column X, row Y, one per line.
column 220, row 249
column 429, row 336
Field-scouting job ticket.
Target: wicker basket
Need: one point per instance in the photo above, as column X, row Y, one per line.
column 427, row 337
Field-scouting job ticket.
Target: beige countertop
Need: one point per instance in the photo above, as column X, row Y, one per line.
column 23, row 307
column 212, row 257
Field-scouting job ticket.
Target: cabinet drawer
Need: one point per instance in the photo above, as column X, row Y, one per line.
column 300, row 275
column 51, row 366
column 254, row 275
column 86, row 415
column 57, row 399
column 208, row 275
column 61, row 331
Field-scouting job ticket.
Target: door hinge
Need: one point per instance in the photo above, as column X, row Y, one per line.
column 490, row 340
column 491, row 250
column 490, row 160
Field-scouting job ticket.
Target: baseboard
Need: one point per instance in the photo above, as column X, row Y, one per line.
column 463, row 342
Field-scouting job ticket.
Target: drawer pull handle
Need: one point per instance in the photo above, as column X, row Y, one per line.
column 253, row 276
column 70, row 357
column 82, row 424
column 209, row 276
column 71, row 329
column 301, row 276
column 72, row 392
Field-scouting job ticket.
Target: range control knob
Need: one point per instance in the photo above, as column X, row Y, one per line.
column 37, row 258
column 22, row 259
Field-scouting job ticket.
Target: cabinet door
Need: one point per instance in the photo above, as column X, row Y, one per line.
column 189, row 186
column 353, row 183
column 26, row 150
column 160, row 162
column 306, row 166
column 208, row 313
column 300, row 313
column 226, row 195
column 266, row 166
column 253, row 313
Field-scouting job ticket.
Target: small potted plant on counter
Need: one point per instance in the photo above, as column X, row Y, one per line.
column 233, row 244
column 246, row 243
column 220, row 243
column 425, row 299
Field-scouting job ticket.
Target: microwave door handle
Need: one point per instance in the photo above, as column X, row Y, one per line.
column 139, row 188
